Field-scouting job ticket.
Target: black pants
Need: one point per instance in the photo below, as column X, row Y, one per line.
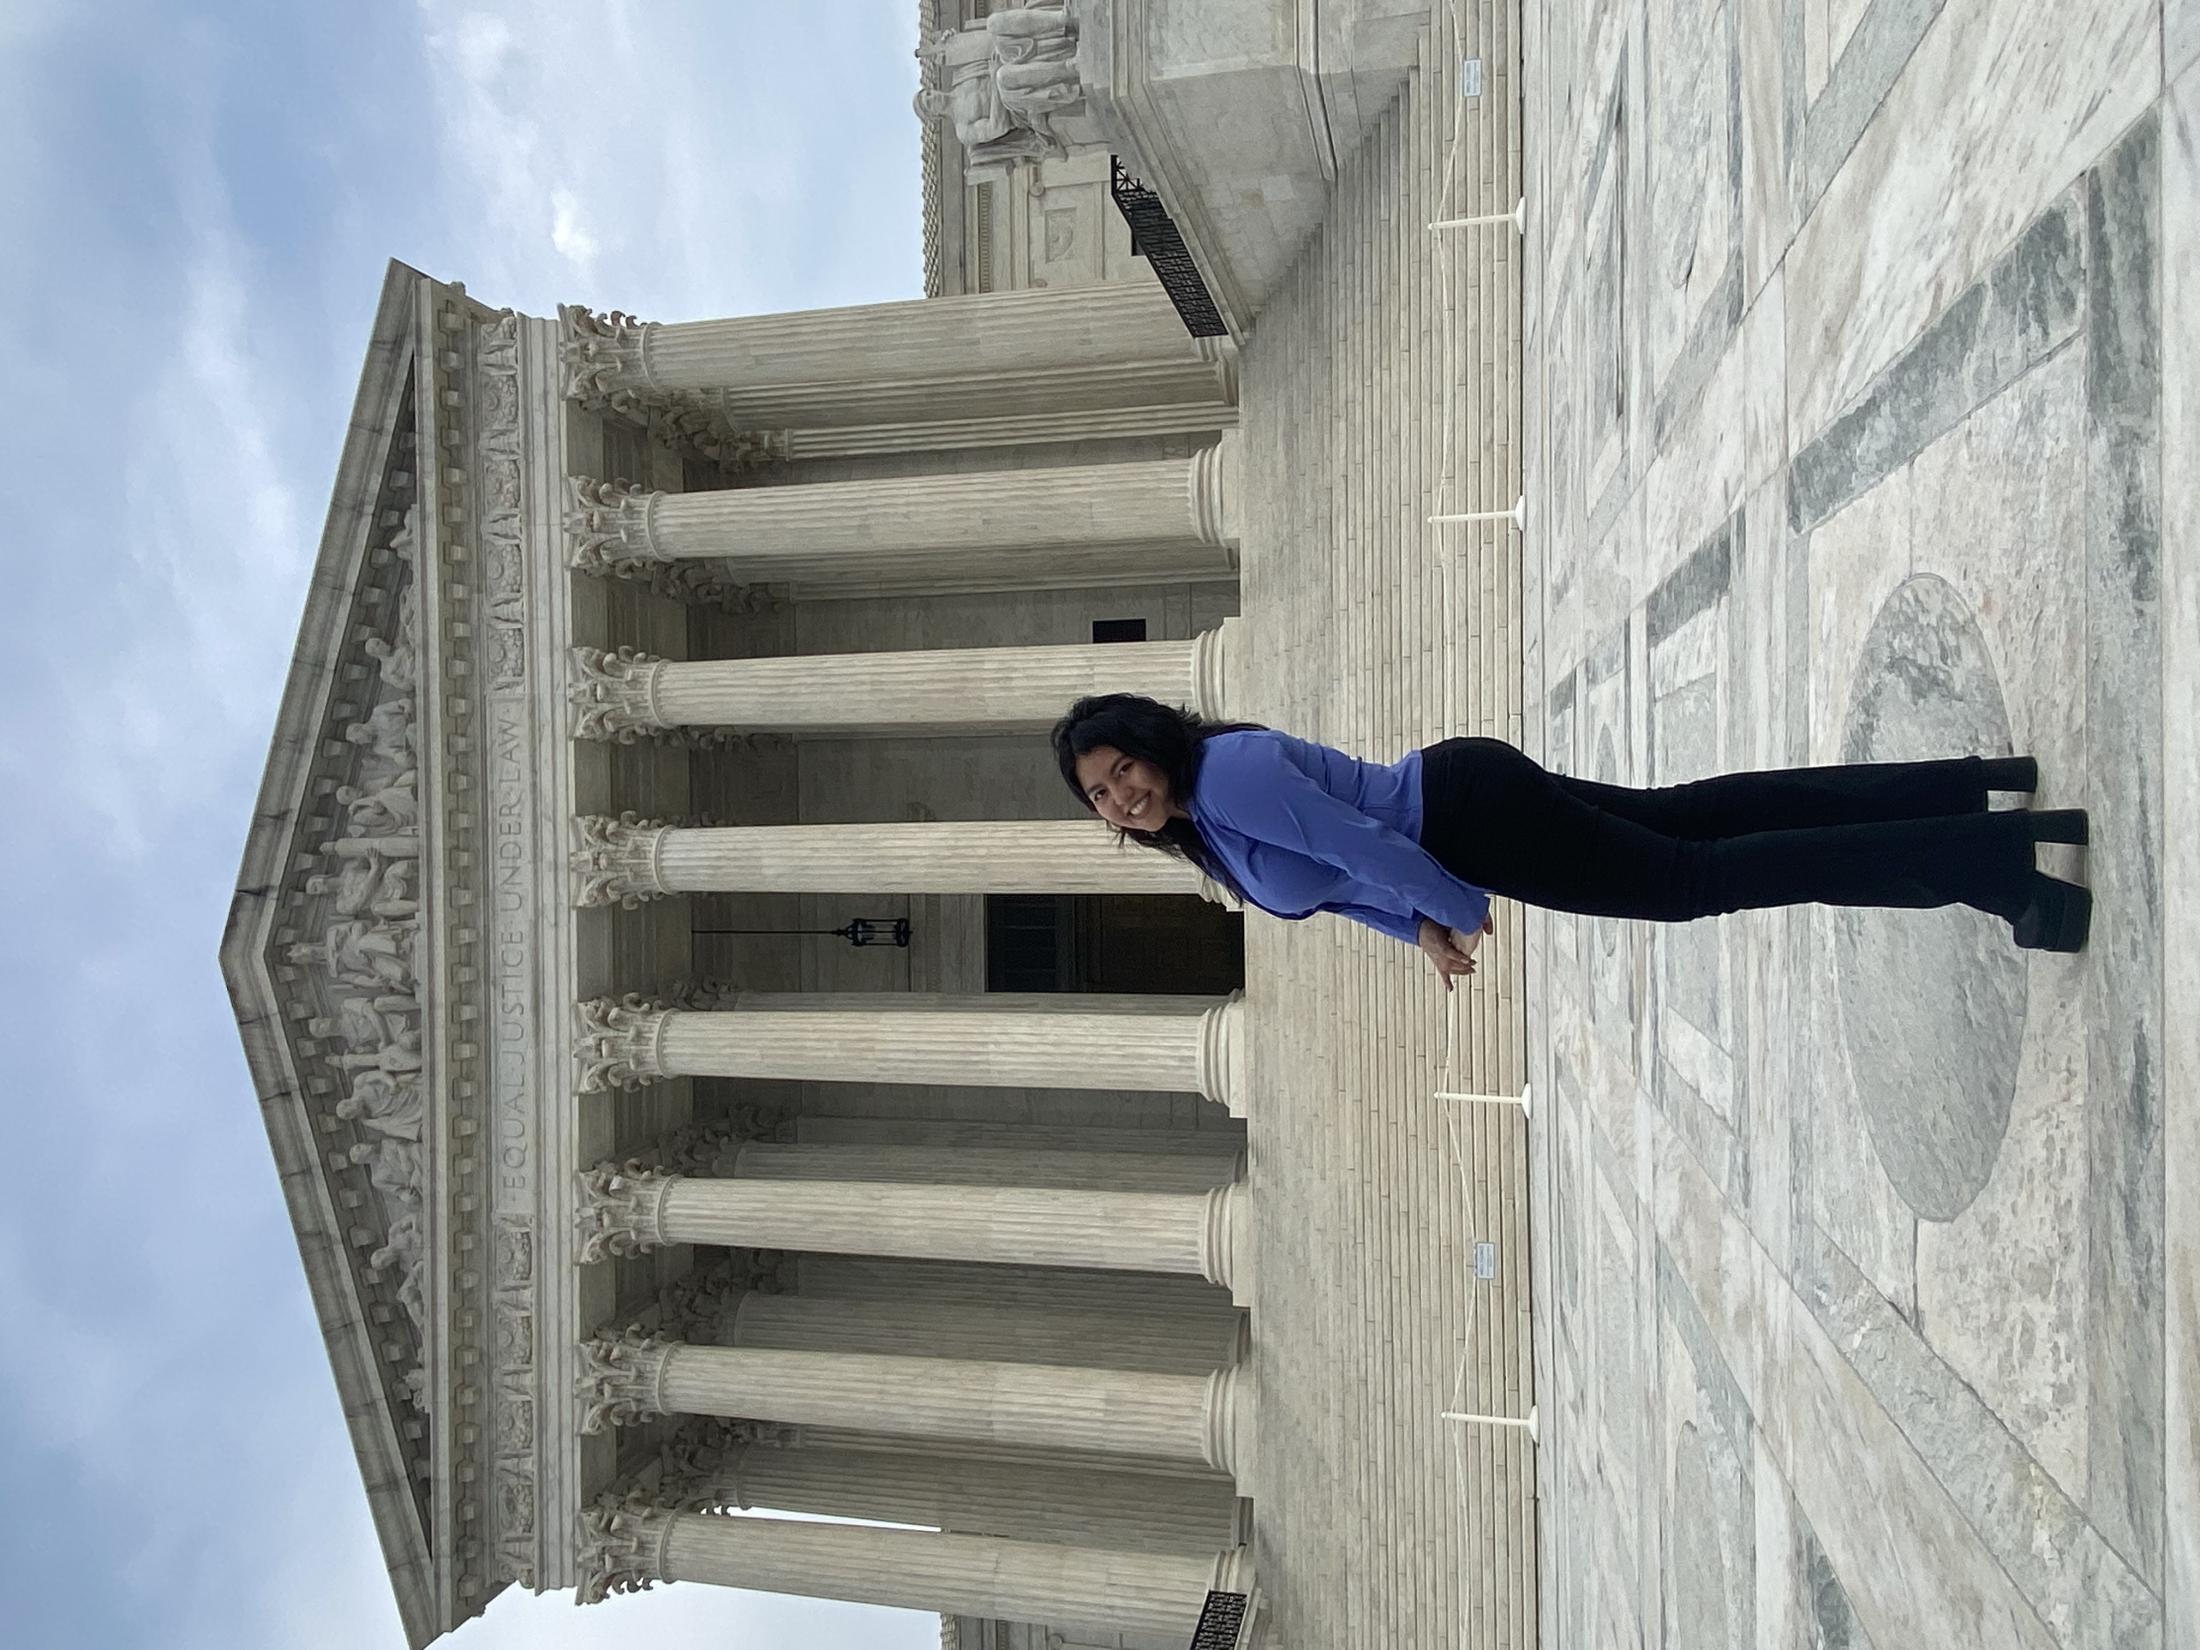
column 1898, row 833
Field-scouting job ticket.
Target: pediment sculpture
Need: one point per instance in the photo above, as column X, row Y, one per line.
column 1005, row 78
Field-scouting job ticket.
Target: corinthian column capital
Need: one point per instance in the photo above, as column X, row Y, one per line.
column 603, row 356
column 621, row 1211
column 621, row 1546
column 712, row 1148
column 622, row 1379
column 618, row 861
column 699, row 1470
column 620, row 1044
column 610, row 526
column 614, row 693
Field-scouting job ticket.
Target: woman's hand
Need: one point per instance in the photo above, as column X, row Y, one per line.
column 1467, row 944
column 1441, row 946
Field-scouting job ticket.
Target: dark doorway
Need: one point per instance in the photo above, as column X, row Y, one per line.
column 1145, row 943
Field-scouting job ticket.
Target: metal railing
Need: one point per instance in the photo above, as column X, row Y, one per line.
column 1154, row 237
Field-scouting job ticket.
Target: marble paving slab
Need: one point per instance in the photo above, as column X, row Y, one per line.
column 1863, row 352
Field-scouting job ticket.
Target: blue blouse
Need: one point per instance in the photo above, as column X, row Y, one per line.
column 1304, row 828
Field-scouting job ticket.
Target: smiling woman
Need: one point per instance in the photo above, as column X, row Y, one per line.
column 1414, row 848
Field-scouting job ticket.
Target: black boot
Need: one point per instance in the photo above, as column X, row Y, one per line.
column 2010, row 773
column 2058, row 918
column 2060, row 825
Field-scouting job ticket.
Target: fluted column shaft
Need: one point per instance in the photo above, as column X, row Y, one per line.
column 1032, row 1288
column 1196, row 1233
column 627, row 1044
column 1014, row 1050
column 1132, row 1511
column 954, row 521
column 953, row 1400
column 1161, row 1344
column 1095, row 1590
column 974, row 689
column 822, row 1130
column 959, row 1166
column 625, row 861
column 992, row 354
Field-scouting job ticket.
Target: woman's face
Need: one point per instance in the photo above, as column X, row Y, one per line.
column 1126, row 791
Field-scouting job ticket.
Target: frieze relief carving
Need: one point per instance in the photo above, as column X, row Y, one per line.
column 364, row 1011
column 502, row 534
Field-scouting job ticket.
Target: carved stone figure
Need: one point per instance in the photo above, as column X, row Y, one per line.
column 380, row 1030
column 394, row 1167
column 389, row 1105
column 373, row 883
column 397, row 661
column 412, row 1295
column 402, row 1249
column 397, row 845
column 396, row 1059
column 1005, row 80
column 389, row 809
column 378, row 955
column 386, row 734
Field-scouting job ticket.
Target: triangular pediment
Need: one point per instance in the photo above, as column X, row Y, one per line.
column 321, row 955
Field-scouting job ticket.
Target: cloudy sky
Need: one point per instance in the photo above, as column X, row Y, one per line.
column 199, row 202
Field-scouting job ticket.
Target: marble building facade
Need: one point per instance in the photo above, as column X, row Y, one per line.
column 1845, row 387
column 547, row 736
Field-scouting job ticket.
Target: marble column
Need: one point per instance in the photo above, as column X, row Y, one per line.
column 635, row 1377
column 625, row 1545
column 1162, row 1345
column 964, row 1166
column 1034, row 1288
column 627, row 1043
column 708, row 1469
column 763, row 1144
column 957, row 522
column 628, row 1211
column 626, row 860
column 617, row 695
column 1034, row 354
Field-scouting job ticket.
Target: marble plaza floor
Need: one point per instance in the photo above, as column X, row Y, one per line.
column 1849, row 369
column 1859, row 360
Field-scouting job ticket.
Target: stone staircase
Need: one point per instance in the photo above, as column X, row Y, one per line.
column 1383, row 386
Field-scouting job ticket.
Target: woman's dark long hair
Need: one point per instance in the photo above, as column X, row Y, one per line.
column 1173, row 740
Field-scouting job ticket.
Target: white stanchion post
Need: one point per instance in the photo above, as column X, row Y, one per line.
column 1517, row 515
column 1517, row 217
column 1521, row 1099
column 1526, row 1424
